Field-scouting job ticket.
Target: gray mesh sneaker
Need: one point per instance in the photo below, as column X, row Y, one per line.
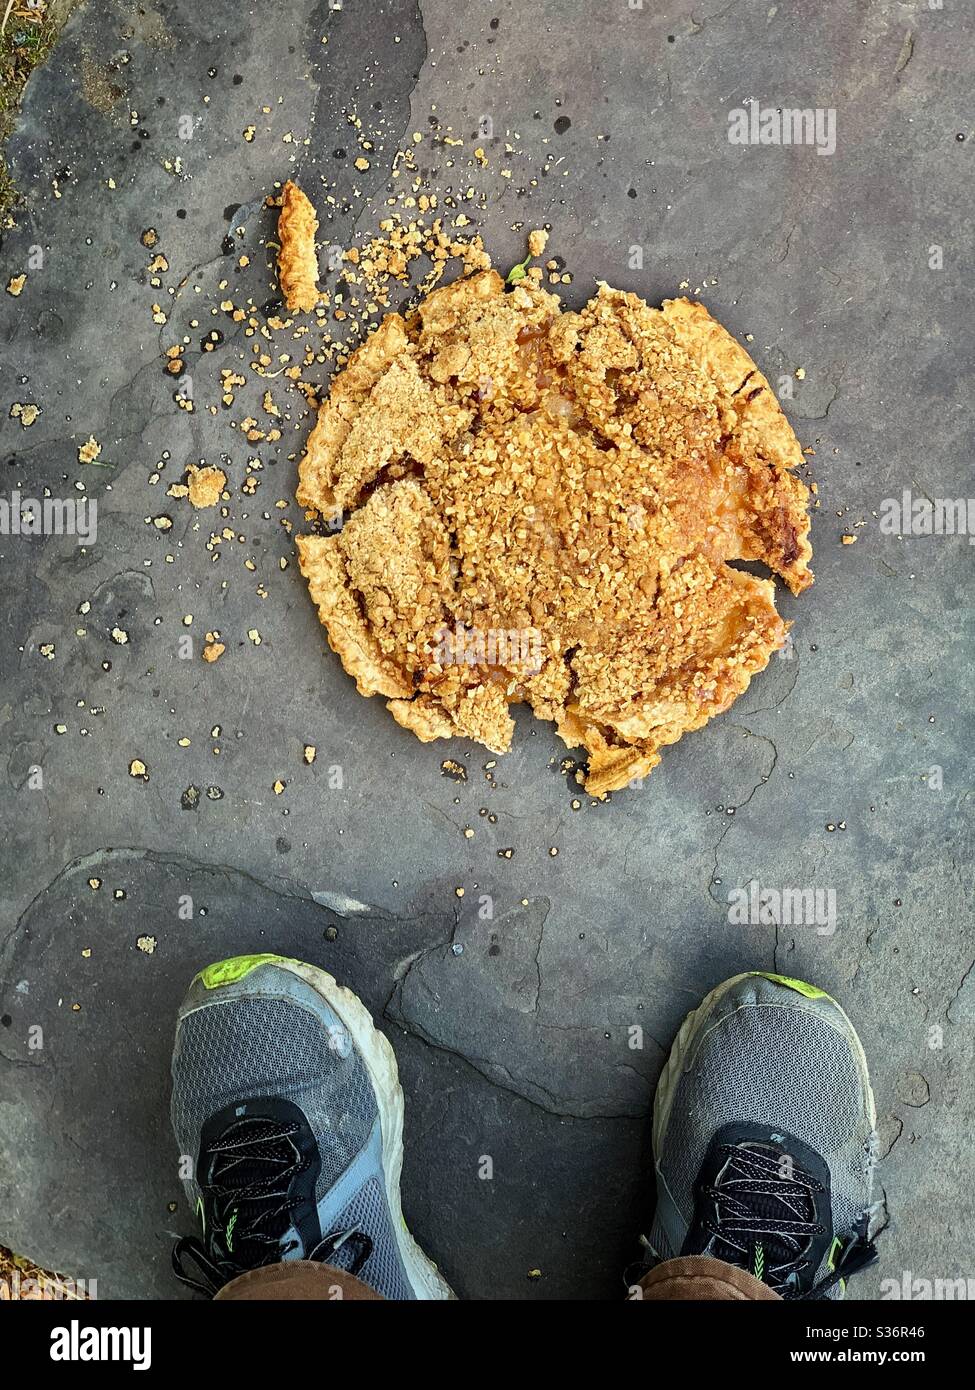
column 764, row 1138
column 288, row 1115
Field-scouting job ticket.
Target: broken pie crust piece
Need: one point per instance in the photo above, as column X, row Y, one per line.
column 297, row 259
column 544, row 507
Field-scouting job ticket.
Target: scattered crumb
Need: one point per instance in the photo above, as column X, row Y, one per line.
column 297, row 261
column 26, row 414
column 205, row 485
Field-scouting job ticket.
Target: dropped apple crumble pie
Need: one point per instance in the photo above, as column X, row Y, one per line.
column 514, row 503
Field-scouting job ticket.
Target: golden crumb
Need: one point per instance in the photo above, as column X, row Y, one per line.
column 89, row 451
column 213, row 651
column 16, row 284
column 205, row 485
column 537, row 241
column 26, row 414
column 297, row 260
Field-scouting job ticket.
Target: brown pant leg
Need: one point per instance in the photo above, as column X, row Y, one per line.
column 298, row 1279
column 698, row 1277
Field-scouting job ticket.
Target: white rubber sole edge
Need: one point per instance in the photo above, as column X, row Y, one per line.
column 687, row 1035
column 380, row 1060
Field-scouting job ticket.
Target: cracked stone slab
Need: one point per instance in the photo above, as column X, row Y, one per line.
column 521, row 1039
column 845, row 767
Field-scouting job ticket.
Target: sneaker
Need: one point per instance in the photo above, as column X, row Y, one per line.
column 288, row 1114
column 764, row 1138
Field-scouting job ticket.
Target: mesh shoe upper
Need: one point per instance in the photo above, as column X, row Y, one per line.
column 270, row 1036
column 764, row 1053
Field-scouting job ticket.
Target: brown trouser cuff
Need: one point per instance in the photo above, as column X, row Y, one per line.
column 298, row 1279
column 698, row 1277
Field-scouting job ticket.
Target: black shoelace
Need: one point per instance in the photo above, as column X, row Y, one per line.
column 248, row 1198
column 767, row 1219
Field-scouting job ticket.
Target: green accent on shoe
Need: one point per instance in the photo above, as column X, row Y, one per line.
column 834, row 1250
column 229, row 1237
column 201, row 1213
column 228, row 972
column 759, row 1262
column 800, row 986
